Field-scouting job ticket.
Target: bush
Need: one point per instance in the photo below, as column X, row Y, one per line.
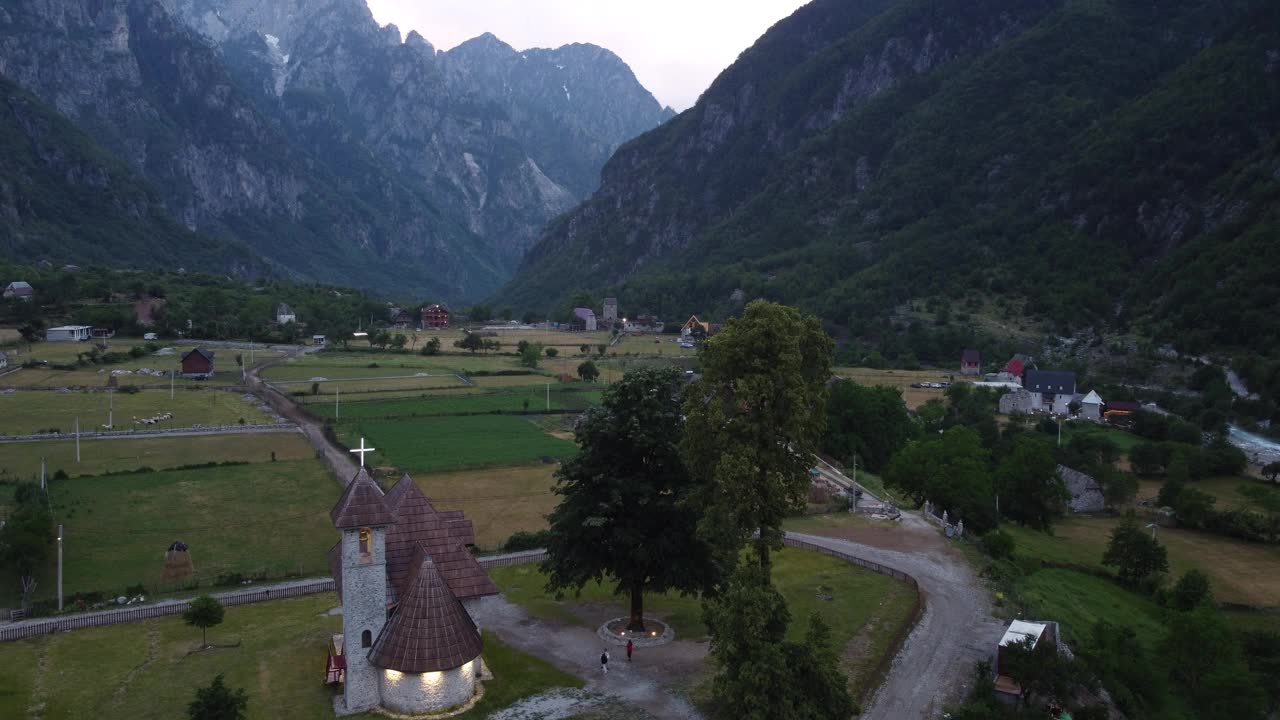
column 129, row 389
column 522, row 540
column 998, row 544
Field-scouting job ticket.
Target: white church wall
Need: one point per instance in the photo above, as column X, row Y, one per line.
column 412, row 693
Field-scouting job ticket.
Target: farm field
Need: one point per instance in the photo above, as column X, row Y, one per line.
column 902, row 379
column 150, row 671
column 645, row 345
column 326, row 396
column 497, row 501
column 412, row 385
column 227, row 371
column 267, row 518
column 1232, row 493
column 515, row 399
column 862, row 605
column 1246, row 573
column 453, row 443
column 21, row 460
column 25, row 412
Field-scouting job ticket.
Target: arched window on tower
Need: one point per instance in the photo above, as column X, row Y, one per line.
column 366, row 544
column 366, row 639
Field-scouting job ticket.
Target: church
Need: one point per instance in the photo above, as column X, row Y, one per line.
column 404, row 575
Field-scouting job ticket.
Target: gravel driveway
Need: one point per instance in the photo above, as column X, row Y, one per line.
column 957, row 630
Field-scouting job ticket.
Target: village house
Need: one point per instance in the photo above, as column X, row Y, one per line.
column 399, row 319
column 1008, row 691
column 285, row 314
column 610, row 312
column 67, row 333
column 642, row 324
column 435, row 316
column 404, row 576
column 1120, row 411
column 198, row 364
column 584, row 319
column 19, row 290
column 1091, row 406
column 4, row 360
column 694, row 327
column 1013, row 370
column 1085, row 492
column 970, row 363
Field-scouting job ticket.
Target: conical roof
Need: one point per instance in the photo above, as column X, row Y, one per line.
column 430, row 631
column 361, row 505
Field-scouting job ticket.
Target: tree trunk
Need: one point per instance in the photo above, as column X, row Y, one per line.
column 204, row 637
column 636, row 623
column 762, row 550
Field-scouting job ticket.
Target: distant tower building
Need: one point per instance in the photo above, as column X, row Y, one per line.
column 610, row 311
column 363, row 518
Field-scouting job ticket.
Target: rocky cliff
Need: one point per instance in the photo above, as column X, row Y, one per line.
column 327, row 144
column 1068, row 160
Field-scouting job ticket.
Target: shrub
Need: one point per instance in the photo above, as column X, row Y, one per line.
column 998, row 544
column 522, row 540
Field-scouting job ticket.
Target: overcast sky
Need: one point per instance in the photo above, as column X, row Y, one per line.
column 675, row 47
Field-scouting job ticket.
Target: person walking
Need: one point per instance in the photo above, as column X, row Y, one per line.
column 604, row 661
column 628, row 651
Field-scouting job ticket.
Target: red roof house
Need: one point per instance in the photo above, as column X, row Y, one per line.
column 198, row 363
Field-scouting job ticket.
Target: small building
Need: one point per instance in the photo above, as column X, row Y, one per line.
column 197, row 363
column 1091, row 406
column 1013, row 370
column 586, row 318
column 4, row 360
column 1007, row 690
column 610, row 312
column 102, row 333
column 285, row 314
column 399, row 319
column 1051, row 390
column 694, row 327
column 318, row 340
column 642, row 324
column 1120, row 411
column 435, row 316
column 970, row 363
column 19, row 290
column 68, row 333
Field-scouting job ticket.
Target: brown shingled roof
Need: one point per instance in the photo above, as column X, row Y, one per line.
column 445, row 536
column 430, row 630
column 361, row 505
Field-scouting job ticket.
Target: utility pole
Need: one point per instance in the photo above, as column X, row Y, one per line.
column 111, row 410
column 337, row 403
column 548, row 397
column 170, row 383
column 42, row 481
column 59, row 567
column 77, row 439
column 1059, row 432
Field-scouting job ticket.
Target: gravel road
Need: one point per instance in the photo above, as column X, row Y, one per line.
column 934, row 666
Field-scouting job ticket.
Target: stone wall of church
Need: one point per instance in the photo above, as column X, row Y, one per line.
column 364, row 609
column 415, row 693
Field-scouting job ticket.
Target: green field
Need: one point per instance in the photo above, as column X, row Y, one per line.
column 21, row 460
column 270, row 519
column 26, row 412
column 497, row 501
column 1078, row 600
column 1242, row 572
column 1125, row 441
column 451, row 443
column 226, row 369
column 561, row 398
column 863, row 606
column 326, row 395
column 149, row 671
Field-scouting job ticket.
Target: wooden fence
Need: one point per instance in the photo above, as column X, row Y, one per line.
column 68, row 623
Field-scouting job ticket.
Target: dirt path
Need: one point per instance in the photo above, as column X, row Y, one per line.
column 340, row 463
column 956, row 631
column 644, row 683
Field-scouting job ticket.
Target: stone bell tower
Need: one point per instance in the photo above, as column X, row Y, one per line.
column 363, row 517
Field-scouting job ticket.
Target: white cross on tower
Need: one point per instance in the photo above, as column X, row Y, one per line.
column 362, row 451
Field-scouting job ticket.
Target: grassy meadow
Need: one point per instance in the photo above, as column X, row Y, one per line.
column 859, row 606
column 901, row 379
column 21, row 460
column 418, row 445
column 1242, row 572
column 268, row 519
column 561, row 398
column 497, row 501
column 24, row 412
column 150, row 670
column 58, row 353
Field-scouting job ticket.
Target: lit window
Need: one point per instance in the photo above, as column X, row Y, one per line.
column 366, row 543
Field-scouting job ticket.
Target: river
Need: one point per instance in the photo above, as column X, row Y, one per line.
column 1261, row 450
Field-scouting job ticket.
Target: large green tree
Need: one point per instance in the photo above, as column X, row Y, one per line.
column 760, row 674
column 626, row 508
column 204, row 613
column 1031, row 491
column 1207, row 663
column 1135, row 554
column 27, row 536
column 867, row 423
column 951, row 471
column 755, row 419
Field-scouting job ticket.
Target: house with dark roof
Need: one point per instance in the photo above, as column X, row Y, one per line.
column 970, row 363
column 405, row 576
column 584, row 319
column 198, row 363
column 1051, row 390
column 19, row 290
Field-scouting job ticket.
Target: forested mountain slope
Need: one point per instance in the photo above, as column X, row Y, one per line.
column 1093, row 162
